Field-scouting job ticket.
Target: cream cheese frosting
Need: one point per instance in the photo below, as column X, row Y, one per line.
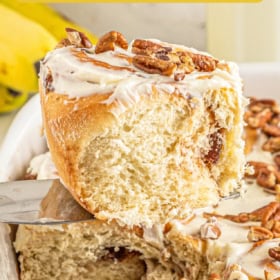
column 80, row 72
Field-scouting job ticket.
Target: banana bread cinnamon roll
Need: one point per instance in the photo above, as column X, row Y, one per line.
column 142, row 132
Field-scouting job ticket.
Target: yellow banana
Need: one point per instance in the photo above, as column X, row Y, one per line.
column 29, row 31
column 26, row 39
column 11, row 99
column 15, row 70
column 47, row 17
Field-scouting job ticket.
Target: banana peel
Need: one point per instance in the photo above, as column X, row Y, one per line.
column 29, row 31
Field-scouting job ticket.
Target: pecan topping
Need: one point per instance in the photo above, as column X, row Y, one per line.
column 257, row 233
column 216, row 143
column 48, row 80
column 257, row 119
column 267, row 175
column 145, row 47
column 271, row 130
column 272, row 145
column 204, row 63
column 210, row 230
column 274, row 253
column 150, row 55
column 108, row 41
column 266, row 178
column 277, row 160
column 77, row 39
column 153, row 66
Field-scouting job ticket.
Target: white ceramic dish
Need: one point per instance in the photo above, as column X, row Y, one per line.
column 23, row 141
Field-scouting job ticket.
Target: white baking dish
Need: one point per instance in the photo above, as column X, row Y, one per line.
column 24, row 140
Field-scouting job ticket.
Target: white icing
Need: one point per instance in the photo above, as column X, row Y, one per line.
column 43, row 167
column 78, row 79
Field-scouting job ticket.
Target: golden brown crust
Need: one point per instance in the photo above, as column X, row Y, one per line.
column 68, row 123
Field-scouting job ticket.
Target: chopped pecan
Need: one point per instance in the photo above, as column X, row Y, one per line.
column 63, row 43
column 258, row 166
column 108, row 41
column 78, row 39
column 216, row 144
column 153, row 66
column 274, row 253
column 276, row 229
column 263, row 215
column 257, row 233
column 263, row 103
column 271, row 209
column 272, row 145
column 179, row 76
column 48, row 82
column 277, row 160
column 210, row 230
column 146, row 47
column 183, row 62
column 271, row 130
column 276, row 109
column 266, row 178
column 259, row 119
column 275, row 120
column 203, row 62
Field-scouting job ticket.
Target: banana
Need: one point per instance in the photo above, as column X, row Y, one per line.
column 25, row 39
column 11, row 99
column 47, row 17
column 29, row 31
column 15, row 70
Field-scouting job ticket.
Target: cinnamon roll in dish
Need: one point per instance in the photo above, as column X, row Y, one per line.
column 235, row 240
column 142, row 132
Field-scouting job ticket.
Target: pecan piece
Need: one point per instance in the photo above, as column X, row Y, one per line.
column 276, row 228
column 271, row 210
column 259, row 233
column 146, row 47
column 48, row 82
column 63, row 43
column 153, row 66
column 78, row 39
column 272, row 145
column 275, row 120
column 274, row 253
column 108, row 41
column 266, row 178
column 259, row 119
column 277, row 160
column 271, row 130
column 179, row 76
column 258, row 166
column 216, row 144
column 263, row 103
column 210, row 230
column 203, row 62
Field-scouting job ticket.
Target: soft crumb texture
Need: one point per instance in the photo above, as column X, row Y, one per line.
column 155, row 161
column 97, row 250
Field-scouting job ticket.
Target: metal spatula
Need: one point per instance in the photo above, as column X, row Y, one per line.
column 21, row 202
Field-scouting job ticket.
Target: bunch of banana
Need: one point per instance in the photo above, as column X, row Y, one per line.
column 28, row 31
